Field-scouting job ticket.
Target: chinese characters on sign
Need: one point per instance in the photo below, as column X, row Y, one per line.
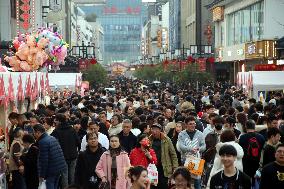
column 127, row 10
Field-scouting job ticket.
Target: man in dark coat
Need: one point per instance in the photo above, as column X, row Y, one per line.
column 70, row 143
column 51, row 162
column 29, row 158
column 85, row 174
column 127, row 138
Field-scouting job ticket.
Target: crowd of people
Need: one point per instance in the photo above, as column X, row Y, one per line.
column 107, row 139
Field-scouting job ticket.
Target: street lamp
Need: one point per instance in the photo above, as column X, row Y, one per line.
column 84, row 51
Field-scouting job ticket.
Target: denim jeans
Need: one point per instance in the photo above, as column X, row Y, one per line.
column 68, row 174
column 52, row 182
column 197, row 183
column 18, row 180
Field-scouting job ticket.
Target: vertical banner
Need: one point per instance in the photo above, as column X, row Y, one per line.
column 201, row 64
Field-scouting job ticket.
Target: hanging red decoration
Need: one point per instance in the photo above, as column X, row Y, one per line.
column 211, row 60
column 165, row 64
column 93, row 61
column 26, row 25
column 190, row 59
column 25, row 16
column 25, row 7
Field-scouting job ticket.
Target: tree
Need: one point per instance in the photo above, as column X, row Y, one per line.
column 96, row 75
column 189, row 74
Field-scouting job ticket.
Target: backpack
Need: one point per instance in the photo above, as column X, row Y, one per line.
column 253, row 149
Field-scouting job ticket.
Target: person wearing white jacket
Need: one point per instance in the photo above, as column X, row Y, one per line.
column 191, row 142
column 227, row 137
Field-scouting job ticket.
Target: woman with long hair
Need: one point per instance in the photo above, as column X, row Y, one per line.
column 139, row 178
column 113, row 164
column 173, row 135
column 143, row 154
column 241, row 122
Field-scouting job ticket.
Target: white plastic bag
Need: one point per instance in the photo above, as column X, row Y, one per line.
column 42, row 185
column 153, row 173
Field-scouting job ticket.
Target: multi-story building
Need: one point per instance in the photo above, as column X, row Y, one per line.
column 196, row 23
column 174, row 24
column 152, row 35
column 245, row 33
column 122, row 22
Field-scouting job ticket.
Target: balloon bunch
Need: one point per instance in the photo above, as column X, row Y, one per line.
column 38, row 50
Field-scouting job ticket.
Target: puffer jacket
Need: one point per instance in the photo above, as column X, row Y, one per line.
column 51, row 160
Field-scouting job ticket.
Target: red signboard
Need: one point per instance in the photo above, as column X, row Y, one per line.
column 127, row 10
column 202, row 64
column 83, row 64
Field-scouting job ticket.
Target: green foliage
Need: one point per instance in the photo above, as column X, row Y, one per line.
column 95, row 74
column 189, row 74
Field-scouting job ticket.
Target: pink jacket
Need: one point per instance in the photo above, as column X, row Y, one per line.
column 123, row 164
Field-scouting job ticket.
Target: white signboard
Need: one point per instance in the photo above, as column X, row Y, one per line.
column 55, row 5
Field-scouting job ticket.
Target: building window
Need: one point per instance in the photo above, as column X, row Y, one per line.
column 245, row 25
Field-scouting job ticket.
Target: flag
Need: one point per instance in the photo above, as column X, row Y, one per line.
column 28, row 87
column 35, row 89
column 11, row 95
column 76, row 82
column 42, row 89
column 20, row 93
column 47, row 87
column 2, row 91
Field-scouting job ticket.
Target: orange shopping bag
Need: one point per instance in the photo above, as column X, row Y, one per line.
column 194, row 164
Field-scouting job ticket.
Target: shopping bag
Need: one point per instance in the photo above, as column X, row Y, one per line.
column 194, row 164
column 42, row 185
column 153, row 174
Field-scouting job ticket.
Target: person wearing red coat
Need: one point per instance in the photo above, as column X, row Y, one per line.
column 142, row 154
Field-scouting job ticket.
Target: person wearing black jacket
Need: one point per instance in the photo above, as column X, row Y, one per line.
column 29, row 159
column 127, row 138
column 230, row 177
column 85, row 175
column 70, row 143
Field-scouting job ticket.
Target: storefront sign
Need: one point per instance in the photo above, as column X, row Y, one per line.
column 202, row 64
column 218, row 14
column 55, row 5
column 260, row 49
column 83, row 64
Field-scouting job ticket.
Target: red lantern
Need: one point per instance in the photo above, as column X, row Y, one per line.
column 25, row 7
column 26, row 25
column 93, row 61
column 211, row 60
column 166, row 62
column 190, row 59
